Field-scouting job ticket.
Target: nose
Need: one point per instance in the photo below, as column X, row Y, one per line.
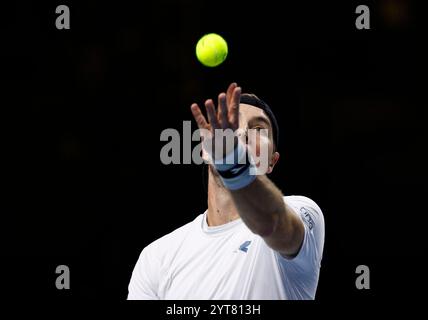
column 243, row 134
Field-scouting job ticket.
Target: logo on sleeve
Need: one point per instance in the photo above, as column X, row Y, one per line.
column 306, row 216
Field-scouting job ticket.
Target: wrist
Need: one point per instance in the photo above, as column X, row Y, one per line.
column 236, row 169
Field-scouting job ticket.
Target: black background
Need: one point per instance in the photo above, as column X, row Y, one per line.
column 83, row 110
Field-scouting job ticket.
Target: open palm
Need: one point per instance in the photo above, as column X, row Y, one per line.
column 225, row 117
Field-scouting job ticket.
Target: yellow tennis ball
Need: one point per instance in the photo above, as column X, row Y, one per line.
column 211, row 50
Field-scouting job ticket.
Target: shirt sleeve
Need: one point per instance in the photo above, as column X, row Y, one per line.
column 145, row 277
column 301, row 273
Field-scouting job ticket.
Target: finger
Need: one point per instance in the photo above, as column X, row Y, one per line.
column 229, row 92
column 234, row 108
column 212, row 118
column 222, row 111
column 199, row 117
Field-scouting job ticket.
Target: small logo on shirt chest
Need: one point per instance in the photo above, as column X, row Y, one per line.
column 244, row 247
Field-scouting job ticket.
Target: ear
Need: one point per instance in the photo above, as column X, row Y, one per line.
column 275, row 158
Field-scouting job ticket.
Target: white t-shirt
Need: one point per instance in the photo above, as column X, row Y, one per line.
column 230, row 262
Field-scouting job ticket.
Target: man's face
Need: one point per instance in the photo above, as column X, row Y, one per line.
column 251, row 120
column 254, row 119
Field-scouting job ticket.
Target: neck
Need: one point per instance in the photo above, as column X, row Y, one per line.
column 221, row 209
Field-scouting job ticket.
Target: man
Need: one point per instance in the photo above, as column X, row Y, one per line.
column 251, row 242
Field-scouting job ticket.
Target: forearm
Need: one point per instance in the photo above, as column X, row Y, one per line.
column 260, row 204
column 262, row 208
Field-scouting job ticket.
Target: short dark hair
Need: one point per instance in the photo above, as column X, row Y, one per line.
column 252, row 99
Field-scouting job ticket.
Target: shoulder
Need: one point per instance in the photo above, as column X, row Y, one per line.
column 302, row 271
column 174, row 238
column 313, row 220
column 301, row 201
column 306, row 208
column 151, row 264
